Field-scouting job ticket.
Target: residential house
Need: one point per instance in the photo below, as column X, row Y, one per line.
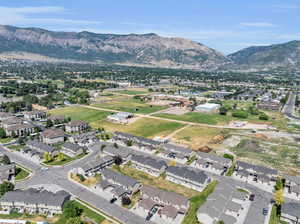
column 292, row 186
column 270, row 105
column 34, row 201
column 149, row 165
column 7, row 172
column 117, row 184
column 19, row 129
column 178, row 153
column 95, row 165
column 40, row 147
column 57, row 119
column 212, row 163
column 225, row 204
column 77, row 126
column 290, row 212
column 84, row 139
column 53, row 136
column 33, row 154
column 121, row 151
column 34, row 115
column 72, row 149
column 4, row 116
column 187, row 177
column 11, row 121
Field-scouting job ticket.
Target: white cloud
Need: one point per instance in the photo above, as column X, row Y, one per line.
column 257, row 24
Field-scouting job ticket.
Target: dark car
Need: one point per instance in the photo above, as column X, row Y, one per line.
column 151, row 213
column 113, row 200
column 265, row 211
column 251, row 197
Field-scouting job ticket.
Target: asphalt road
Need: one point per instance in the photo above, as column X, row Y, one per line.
column 289, row 107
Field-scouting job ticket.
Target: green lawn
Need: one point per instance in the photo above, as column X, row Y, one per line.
column 5, row 140
column 15, row 147
column 90, row 213
column 56, row 162
column 196, row 117
column 131, row 92
column 196, row 202
column 130, row 105
column 21, row 174
column 145, row 127
column 81, row 113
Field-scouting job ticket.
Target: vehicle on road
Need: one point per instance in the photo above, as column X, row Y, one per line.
column 251, row 197
column 265, row 211
column 151, row 213
column 113, row 200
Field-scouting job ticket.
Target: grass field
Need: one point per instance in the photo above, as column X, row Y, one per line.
column 56, row 162
column 5, row 140
column 196, row 117
column 196, row 136
column 21, row 174
column 81, row 113
column 132, row 92
column 145, row 127
column 129, row 104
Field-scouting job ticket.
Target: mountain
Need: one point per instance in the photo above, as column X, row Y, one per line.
column 140, row 50
column 273, row 56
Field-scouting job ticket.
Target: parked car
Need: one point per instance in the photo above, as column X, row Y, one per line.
column 251, row 197
column 113, row 200
column 151, row 213
column 265, row 211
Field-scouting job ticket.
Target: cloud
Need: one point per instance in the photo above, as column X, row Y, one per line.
column 257, row 24
column 24, row 16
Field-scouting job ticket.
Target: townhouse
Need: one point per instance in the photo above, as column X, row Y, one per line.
column 178, row 153
column 57, row 119
column 170, row 204
column 10, row 122
column 40, row 147
column 84, row 139
column 117, row 184
column 34, row 201
column 76, row 126
column 34, row 115
column 95, row 165
column 212, row 163
column 225, row 204
column 292, row 186
column 120, row 151
column 52, row 136
column 187, row 177
column 21, row 129
column 4, row 116
column 72, row 150
column 149, row 165
column 7, row 172
column 290, row 213
column 255, row 174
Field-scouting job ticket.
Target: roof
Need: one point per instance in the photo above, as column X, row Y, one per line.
column 147, row 203
column 71, row 146
column 177, row 149
column 53, row 133
column 149, row 161
column 57, row 118
column 95, row 162
column 207, row 106
column 16, row 127
column 34, row 112
column 77, row 123
column 293, row 179
column 40, row 146
column 34, row 196
column 121, row 151
column 189, row 174
column 169, row 211
column 137, row 139
column 12, row 121
column 118, row 178
column 256, row 168
column 292, row 209
column 214, row 158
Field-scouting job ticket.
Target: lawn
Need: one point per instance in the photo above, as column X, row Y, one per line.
column 196, row 136
column 129, row 104
column 145, row 127
column 21, row 174
column 196, row 202
column 158, row 182
column 81, row 113
column 131, row 92
column 5, row 140
column 195, row 117
column 56, row 162
column 87, row 212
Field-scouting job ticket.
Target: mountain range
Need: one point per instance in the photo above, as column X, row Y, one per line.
column 151, row 50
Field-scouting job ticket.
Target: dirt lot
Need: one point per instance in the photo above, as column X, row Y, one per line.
column 176, row 111
column 162, row 102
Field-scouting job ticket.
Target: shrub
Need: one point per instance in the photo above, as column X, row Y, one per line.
column 263, row 117
column 240, row 114
column 228, row 156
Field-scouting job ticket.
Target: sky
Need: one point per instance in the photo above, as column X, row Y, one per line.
column 225, row 25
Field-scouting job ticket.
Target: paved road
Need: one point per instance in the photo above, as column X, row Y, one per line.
column 289, row 107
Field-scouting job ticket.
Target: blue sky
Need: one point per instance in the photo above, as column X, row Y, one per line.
column 226, row 25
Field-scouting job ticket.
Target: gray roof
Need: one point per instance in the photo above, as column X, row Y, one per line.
column 34, row 196
column 40, row 146
column 118, row 178
column 292, row 209
column 177, row 149
column 124, row 152
column 149, row 161
column 213, row 158
column 293, row 179
column 96, row 162
column 71, row 146
column 189, row 174
column 256, row 168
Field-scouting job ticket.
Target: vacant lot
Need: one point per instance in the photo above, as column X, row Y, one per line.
column 129, row 104
column 81, row 113
column 145, row 127
column 132, row 92
column 196, row 136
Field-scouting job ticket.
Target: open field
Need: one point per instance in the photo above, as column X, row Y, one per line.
column 196, row 136
column 158, row 182
column 56, row 162
column 129, row 104
column 80, row 113
column 132, row 91
column 145, row 127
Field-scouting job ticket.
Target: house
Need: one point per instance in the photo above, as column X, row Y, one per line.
column 290, row 212
column 41, row 147
column 34, row 115
column 149, row 165
column 77, row 126
column 4, row 116
column 11, row 121
column 225, row 204
column 33, row 154
column 95, row 165
column 84, row 139
column 7, row 172
column 178, row 153
column 34, row 201
column 207, row 108
column 255, row 174
column 170, row 204
column 121, row 151
column 72, row 149
column 19, row 129
column 121, row 117
column 292, row 186
column 212, row 163
column 53, row 136
column 187, row 177
column 269, row 105
column 57, row 119
column 118, row 184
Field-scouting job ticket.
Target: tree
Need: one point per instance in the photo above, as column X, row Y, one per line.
column 71, row 210
column 129, row 143
column 279, row 197
column 76, row 220
column 116, row 145
column 102, row 147
column 2, row 133
column 49, row 123
column 240, row 114
column 47, row 157
column 5, row 160
column 5, row 187
column 223, row 110
column 126, row 200
column 220, row 222
column 13, row 134
column 278, row 185
column 118, row 160
column 61, row 156
column 263, row 116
